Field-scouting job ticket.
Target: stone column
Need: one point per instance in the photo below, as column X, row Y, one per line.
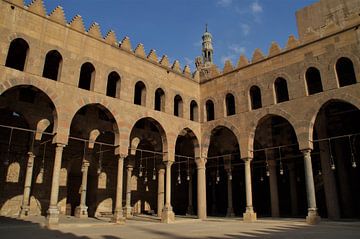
column 190, row 210
column 128, row 209
column 53, row 211
column 161, row 190
column 201, row 187
column 118, row 213
column 249, row 215
column 168, row 215
column 25, row 207
column 274, row 195
column 81, row 211
column 230, row 209
column 312, row 217
column 293, row 189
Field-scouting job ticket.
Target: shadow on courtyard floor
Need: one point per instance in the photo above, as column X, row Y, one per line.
column 17, row 228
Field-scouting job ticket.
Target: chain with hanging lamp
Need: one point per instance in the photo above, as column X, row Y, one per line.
column 217, row 171
column 140, row 166
column 43, row 159
column 154, row 169
column 100, row 160
column 145, row 178
column 179, row 173
column 332, row 162
column 267, row 164
column 188, row 169
column 281, row 164
column 230, row 172
column 7, row 160
column 353, row 161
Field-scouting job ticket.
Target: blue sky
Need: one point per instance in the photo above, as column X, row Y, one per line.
column 175, row 27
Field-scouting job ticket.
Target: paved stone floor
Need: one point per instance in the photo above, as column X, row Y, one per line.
column 143, row 228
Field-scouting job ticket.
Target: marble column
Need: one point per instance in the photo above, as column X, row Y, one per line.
column 201, row 188
column 230, row 209
column 161, row 190
column 81, row 211
column 25, row 207
column 274, row 194
column 293, row 189
column 118, row 213
column 167, row 215
column 53, row 211
column 190, row 209
column 312, row 217
column 249, row 215
column 128, row 208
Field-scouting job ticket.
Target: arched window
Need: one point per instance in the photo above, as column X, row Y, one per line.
column 255, row 97
column 87, row 76
column 178, row 106
column 345, row 72
column 194, row 115
column 313, row 81
column 210, row 111
column 230, row 104
column 17, row 54
column 160, row 100
column 281, row 90
column 113, row 85
column 140, row 94
column 52, row 66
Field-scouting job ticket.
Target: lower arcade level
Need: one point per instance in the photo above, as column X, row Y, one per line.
column 87, row 178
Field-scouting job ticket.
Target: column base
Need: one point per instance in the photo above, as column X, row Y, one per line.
column 52, row 217
column 118, row 217
column 81, row 212
column 230, row 212
column 313, row 217
column 190, row 211
column 167, row 215
column 24, row 212
column 249, row 215
column 128, row 212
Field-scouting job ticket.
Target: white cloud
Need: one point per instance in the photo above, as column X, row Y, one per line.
column 256, row 7
column 224, row 3
column 237, row 49
column 245, row 28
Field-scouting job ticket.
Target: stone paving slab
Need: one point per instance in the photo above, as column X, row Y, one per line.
column 212, row 228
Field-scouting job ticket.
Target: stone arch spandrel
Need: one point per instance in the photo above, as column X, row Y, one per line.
column 306, row 126
column 247, row 148
column 54, row 96
column 207, row 136
column 103, row 104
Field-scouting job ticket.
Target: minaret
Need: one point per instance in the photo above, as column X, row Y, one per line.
column 207, row 48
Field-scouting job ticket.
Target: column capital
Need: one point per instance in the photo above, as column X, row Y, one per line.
column 31, row 154
column 122, row 156
column 201, row 162
column 129, row 167
column 247, row 159
column 60, row 145
column 306, row 151
column 168, row 163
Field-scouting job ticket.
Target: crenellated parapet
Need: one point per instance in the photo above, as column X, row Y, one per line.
column 57, row 15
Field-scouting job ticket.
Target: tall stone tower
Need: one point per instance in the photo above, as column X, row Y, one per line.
column 207, row 48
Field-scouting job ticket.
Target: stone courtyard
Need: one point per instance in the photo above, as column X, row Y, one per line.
column 265, row 148
column 212, row 228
